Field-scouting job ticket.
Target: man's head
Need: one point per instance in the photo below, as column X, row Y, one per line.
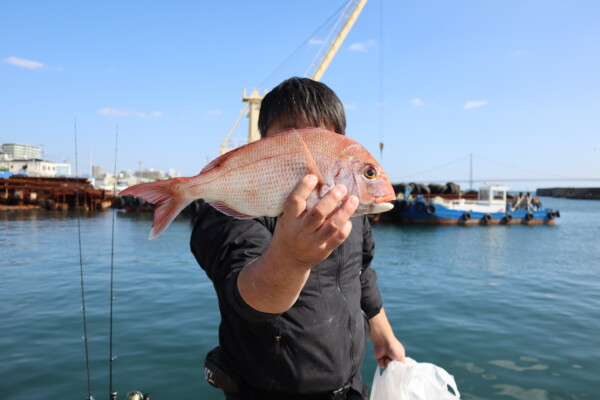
column 299, row 103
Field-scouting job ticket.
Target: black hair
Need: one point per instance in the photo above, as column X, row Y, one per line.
column 302, row 97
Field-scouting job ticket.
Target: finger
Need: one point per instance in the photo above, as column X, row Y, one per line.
column 339, row 237
column 295, row 203
column 383, row 362
column 337, row 221
column 326, row 205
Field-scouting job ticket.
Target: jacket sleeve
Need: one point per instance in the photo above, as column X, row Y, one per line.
column 370, row 300
column 223, row 245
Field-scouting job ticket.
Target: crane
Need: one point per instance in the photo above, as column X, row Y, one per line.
column 316, row 70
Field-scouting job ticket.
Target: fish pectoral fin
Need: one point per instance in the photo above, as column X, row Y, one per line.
column 311, row 164
column 325, row 187
column 227, row 210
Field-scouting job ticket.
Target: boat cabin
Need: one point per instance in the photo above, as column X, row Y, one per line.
column 493, row 194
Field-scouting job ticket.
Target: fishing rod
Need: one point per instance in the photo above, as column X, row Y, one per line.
column 85, row 335
column 112, row 393
column 133, row 395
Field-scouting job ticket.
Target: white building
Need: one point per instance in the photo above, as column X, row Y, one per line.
column 63, row 169
column 37, row 167
column 173, row 173
column 33, row 167
column 18, row 151
column 26, row 159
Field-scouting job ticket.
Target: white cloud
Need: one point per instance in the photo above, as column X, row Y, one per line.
column 362, row 46
column 516, row 53
column 23, row 63
column 129, row 113
column 351, row 106
column 316, row 41
column 217, row 113
column 417, row 102
column 474, row 104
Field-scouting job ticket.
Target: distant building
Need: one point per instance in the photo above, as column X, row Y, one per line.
column 33, row 167
column 63, row 169
column 126, row 173
column 173, row 173
column 4, row 162
column 21, row 151
column 97, row 171
column 25, row 159
column 150, row 174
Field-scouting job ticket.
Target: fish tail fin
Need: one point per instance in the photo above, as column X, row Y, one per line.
column 164, row 194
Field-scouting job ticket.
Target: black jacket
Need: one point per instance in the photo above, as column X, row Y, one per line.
column 318, row 345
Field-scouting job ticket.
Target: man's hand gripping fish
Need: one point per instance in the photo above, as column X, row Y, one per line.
column 254, row 180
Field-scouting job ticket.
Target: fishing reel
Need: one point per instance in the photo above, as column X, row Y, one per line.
column 133, row 395
column 137, row 395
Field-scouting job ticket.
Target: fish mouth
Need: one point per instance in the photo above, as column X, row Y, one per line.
column 385, row 199
column 380, row 208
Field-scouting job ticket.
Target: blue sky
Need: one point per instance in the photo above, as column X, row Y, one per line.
column 515, row 83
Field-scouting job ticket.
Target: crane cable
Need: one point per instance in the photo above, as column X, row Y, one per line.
column 295, row 52
column 381, row 81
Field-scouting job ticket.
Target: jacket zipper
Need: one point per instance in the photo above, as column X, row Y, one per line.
column 339, row 288
column 277, row 346
column 275, row 356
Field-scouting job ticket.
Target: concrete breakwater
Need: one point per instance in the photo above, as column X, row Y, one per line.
column 570, row 193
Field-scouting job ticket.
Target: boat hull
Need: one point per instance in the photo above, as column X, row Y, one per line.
column 427, row 213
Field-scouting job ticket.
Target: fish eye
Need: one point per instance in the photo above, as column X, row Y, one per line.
column 370, row 172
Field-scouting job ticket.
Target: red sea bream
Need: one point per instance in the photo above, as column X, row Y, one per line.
column 255, row 179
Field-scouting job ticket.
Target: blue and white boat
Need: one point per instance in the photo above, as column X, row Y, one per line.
column 491, row 207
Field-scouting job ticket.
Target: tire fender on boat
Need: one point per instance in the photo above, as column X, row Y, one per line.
column 486, row 218
column 403, row 206
column 430, row 209
column 528, row 216
column 466, row 216
column 508, row 217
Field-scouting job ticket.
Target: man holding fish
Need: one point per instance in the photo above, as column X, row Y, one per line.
column 285, row 239
column 296, row 292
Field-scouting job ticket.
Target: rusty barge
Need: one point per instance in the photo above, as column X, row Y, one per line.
column 25, row 192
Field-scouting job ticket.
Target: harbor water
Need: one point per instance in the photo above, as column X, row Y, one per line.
column 512, row 312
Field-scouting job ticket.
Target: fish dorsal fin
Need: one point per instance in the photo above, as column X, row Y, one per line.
column 225, row 209
column 217, row 161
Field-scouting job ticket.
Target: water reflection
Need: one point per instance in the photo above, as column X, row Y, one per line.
column 519, row 393
column 508, row 364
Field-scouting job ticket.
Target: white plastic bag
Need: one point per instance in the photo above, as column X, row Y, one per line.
column 413, row 381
